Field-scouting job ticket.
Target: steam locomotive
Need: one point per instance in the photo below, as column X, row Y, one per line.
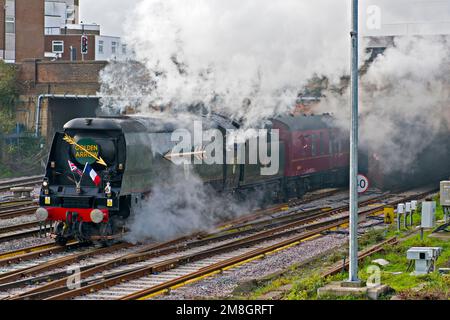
column 99, row 170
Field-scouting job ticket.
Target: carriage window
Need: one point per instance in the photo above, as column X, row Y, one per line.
column 323, row 144
column 313, row 145
column 331, row 142
column 303, row 145
column 336, row 145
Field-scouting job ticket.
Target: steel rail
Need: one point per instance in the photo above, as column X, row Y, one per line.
column 200, row 242
column 220, row 265
column 172, row 263
column 134, row 258
column 23, row 234
column 13, row 204
column 19, row 180
column 18, row 227
column 262, row 236
column 58, row 263
column 339, row 221
column 10, row 214
column 277, row 208
column 339, row 267
column 7, row 185
column 33, row 252
column 91, row 269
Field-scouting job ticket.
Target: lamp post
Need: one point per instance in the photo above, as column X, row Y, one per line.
column 353, row 268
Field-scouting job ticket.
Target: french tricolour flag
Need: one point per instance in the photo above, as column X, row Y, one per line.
column 94, row 176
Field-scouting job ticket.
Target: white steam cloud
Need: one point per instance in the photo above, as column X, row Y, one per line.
column 405, row 96
column 221, row 52
column 181, row 205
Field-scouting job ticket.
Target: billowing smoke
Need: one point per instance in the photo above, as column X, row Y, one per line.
column 247, row 59
column 180, row 205
column 405, row 97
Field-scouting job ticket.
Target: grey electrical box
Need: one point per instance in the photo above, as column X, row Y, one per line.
column 445, row 193
column 424, row 257
column 428, row 214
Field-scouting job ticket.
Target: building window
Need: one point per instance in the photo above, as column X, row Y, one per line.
column 70, row 13
column 101, row 45
column 10, row 25
column 113, row 47
column 58, row 46
column 124, row 49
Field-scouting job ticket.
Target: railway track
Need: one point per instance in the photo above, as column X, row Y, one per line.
column 19, row 212
column 12, row 204
column 164, row 266
column 22, row 230
column 20, row 182
column 220, row 266
column 28, row 253
column 27, row 207
column 280, row 208
column 341, row 266
column 13, row 208
column 52, row 258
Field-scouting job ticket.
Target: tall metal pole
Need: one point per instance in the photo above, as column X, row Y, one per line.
column 353, row 269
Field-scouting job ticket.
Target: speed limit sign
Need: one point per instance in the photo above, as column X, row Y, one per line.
column 363, row 183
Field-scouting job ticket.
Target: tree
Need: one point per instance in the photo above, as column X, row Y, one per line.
column 8, row 97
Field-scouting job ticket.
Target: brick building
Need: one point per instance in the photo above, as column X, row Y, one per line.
column 21, row 29
column 61, row 45
column 100, row 48
column 37, row 36
column 47, row 29
column 59, row 13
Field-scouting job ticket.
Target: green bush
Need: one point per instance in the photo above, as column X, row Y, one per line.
column 22, row 157
column 306, row 289
column 8, row 97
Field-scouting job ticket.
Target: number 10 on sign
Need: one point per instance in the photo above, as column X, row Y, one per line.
column 363, row 183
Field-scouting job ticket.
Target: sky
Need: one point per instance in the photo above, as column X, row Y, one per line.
column 110, row 14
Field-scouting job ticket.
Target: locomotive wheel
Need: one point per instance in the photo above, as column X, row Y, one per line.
column 106, row 229
column 300, row 190
column 84, row 234
column 59, row 232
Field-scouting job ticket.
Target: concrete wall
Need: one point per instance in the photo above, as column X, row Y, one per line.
column 76, row 74
column 44, row 77
column 60, row 111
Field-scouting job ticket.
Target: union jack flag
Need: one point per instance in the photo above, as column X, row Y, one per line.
column 75, row 169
